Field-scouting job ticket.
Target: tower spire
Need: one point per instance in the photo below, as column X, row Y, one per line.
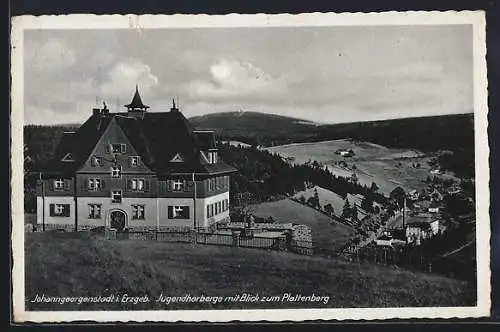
column 136, row 104
column 174, row 108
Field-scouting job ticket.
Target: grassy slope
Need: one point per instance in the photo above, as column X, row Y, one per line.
column 375, row 163
column 78, row 265
column 326, row 233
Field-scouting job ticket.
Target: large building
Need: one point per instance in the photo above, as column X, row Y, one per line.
column 135, row 170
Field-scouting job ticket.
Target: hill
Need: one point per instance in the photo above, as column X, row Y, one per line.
column 435, row 131
column 429, row 134
column 328, row 235
column 77, row 264
column 254, row 127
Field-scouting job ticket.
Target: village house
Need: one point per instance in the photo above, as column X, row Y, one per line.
column 421, row 227
column 135, row 170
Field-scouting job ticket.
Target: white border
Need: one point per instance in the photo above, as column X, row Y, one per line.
column 90, row 21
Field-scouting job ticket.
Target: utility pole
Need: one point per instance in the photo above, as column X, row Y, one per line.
column 194, row 210
column 43, row 202
column 404, row 212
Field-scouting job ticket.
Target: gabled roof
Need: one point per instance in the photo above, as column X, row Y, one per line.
column 79, row 144
column 157, row 138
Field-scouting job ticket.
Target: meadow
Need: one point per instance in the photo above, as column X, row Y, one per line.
column 387, row 167
column 327, row 234
column 83, row 264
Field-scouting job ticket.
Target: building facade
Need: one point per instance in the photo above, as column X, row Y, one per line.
column 135, row 170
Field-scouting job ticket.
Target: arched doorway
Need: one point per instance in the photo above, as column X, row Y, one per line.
column 117, row 220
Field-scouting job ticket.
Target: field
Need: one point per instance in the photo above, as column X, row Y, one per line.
column 374, row 163
column 327, row 234
column 328, row 197
column 77, row 264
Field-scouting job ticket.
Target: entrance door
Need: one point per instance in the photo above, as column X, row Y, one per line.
column 118, row 220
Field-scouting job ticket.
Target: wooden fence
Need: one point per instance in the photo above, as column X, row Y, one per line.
column 280, row 243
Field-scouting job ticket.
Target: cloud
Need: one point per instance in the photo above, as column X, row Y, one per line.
column 51, row 56
column 232, row 78
column 123, row 77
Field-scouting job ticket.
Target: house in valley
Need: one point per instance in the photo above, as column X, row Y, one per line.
column 421, row 227
column 135, row 170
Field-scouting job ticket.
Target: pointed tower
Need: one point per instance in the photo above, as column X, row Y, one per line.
column 136, row 105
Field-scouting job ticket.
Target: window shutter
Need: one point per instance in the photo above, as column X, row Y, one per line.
column 51, row 185
column 103, row 185
column 146, row 185
column 51, row 209
column 107, row 148
column 170, row 212
column 129, row 184
column 169, row 185
column 84, row 184
column 66, row 210
column 130, row 161
column 123, row 148
column 186, row 212
column 138, row 160
column 184, row 185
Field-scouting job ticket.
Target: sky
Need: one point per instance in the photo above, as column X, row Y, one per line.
column 322, row 74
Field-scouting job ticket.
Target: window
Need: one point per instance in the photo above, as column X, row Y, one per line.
column 116, row 172
column 212, row 157
column 67, row 158
column 208, row 211
column 137, row 184
column 212, row 209
column 59, row 210
column 138, row 212
column 178, row 185
column 134, row 161
column 96, row 161
column 178, row 212
column 94, row 211
column 118, row 148
column 211, row 184
column 116, row 196
column 177, row 158
column 95, row 184
column 59, row 184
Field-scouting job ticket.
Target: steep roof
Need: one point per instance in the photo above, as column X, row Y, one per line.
column 157, row 138
column 136, row 102
column 79, row 144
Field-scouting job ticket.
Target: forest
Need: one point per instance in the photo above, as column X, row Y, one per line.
column 451, row 133
column 265, row 176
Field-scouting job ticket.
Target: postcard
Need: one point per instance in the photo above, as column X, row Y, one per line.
column 187, row 168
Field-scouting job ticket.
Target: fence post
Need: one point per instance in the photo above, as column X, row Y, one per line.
column 236, row 239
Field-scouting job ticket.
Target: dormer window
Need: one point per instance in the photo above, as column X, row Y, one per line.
column 212, row 157
column 177, row 158
column 68, row 157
